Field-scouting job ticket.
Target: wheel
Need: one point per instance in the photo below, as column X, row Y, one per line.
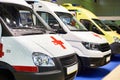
column 79, row 66
column 3, row 77
column 6, row 75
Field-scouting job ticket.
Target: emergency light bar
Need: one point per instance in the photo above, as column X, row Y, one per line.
column 53, row 0
column 31, row 1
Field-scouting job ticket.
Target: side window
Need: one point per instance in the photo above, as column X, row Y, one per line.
column 29, row 19
column 26, row 18
column 90, row 26
column 38, row 23
column 4, row 30
column 87, row 24
column 50, row 20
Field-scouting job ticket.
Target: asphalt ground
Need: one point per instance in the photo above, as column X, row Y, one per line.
column 101, row 72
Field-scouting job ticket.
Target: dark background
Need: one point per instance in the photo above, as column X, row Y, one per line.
column 99, row 7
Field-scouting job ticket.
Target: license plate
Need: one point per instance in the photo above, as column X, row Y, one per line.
column 108, row 59
column 72, row 69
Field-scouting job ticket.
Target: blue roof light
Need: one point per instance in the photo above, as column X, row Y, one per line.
column 53, row 0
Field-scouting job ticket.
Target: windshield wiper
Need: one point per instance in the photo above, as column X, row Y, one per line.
column 36, row 33
column 79, row 30
column 21, row 28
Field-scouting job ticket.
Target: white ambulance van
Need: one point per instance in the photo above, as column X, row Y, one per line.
column 29, row 52
column 93, row 50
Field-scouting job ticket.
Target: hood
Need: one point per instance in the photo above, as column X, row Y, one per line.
column 110, row 35
column 113, row 33
column 51, row 45
column 88, row 36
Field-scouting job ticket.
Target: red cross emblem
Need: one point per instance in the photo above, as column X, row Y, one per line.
column 58, row 42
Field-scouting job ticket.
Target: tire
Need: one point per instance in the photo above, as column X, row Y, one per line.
column 6, row 75
column 79, row 66
column 3, row 77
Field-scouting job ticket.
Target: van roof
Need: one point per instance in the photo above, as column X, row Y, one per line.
column 88, row 13
column 80, row 9
column 52, row 6
column 19, row 2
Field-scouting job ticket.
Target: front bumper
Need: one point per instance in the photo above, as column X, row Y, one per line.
column 52, row 75
column 65, row 69
column 115, row 48
column 95, row 62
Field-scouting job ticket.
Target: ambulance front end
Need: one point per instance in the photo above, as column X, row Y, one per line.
column 29, row 51
column 93, row 50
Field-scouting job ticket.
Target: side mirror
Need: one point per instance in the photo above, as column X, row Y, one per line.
column 61, row 31
column 118, row 31
column 30, row 1
column 96, row 30
column 57, row 28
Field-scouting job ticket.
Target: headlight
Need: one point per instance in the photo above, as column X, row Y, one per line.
column 41, row 59
column 90, row 46
column 116, row 39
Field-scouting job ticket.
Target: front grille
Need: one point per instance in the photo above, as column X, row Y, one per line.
column 104, row 47
column 67, row 61
column 99, row 61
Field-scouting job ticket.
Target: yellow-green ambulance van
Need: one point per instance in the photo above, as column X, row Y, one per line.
column 93, row 23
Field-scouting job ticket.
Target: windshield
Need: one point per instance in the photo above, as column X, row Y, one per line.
column 111, row 23
column 20, row 20
column 71, row 22
column 102, row 25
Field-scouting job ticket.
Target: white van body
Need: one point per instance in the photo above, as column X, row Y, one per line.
column 88, row 57
column 29, row 52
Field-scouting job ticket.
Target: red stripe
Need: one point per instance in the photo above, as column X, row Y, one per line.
column 26, row 68
column 1, row 48
column 96, row 35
